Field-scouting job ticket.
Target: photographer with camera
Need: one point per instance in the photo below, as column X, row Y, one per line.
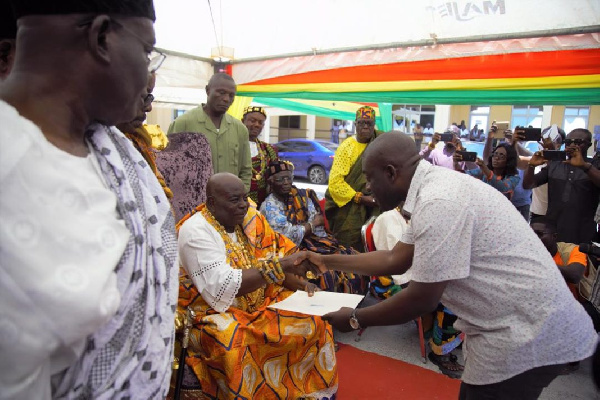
column 444, row 157
column 500, row 170
column 573, row 187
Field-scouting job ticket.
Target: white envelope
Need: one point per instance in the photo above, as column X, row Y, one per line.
column 319, row 304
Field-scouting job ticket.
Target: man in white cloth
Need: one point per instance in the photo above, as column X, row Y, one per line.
column 88, row 277
column 521, row 322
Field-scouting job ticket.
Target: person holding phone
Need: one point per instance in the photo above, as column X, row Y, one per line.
column 500, row 170
column 573, row 188
column 443, row 156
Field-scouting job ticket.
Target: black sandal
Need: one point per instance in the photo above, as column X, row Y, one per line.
column 443, row 361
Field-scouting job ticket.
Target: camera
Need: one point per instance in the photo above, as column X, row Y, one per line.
column 468, row 155
column 554, row 155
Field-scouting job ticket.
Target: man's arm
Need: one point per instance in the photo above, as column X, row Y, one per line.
column 426, row 152
column 245, row 173
column 178, row 125
column 530, row 178
column 487, row 148
column 385, row 262
column 576, row 159
column 417, row 299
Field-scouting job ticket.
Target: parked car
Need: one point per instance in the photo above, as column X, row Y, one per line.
column 312, row 159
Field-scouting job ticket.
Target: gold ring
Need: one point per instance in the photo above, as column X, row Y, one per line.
column 310, row 275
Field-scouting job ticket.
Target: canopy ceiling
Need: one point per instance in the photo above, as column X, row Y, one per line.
column 324, row 56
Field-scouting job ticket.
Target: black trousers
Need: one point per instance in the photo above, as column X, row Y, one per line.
column 525, row 386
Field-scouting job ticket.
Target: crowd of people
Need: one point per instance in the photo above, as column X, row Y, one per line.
column 106, row 295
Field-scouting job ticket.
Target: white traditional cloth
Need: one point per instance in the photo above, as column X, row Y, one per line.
column 88, row 300
column 539, row 196
column 203, row 256
column 253, row 149
column 511, row 301
column 387, row 232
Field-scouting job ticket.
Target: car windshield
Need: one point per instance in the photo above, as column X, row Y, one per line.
column 331, row 146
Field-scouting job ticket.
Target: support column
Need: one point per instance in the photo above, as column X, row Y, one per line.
column 265, row 135
column 547, row 116
column 310, row 127
column 442, row 118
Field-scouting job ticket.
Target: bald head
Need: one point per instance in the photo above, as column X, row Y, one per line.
column 218, row 77
column 220, row 182
column 226, row 199
column 397, row 149
column 389, row 164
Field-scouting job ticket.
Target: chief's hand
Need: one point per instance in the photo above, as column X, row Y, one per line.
column 310, row 288
column 340, row 319
column 300, row 264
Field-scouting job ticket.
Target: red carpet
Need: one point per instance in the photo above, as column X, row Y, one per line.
column 365, row 375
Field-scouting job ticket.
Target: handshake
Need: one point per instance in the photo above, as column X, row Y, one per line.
column 304, row 264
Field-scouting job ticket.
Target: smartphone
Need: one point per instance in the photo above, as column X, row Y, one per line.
column 532, row 134
column 468, row 155
column 500, row 128
column 446, row 137
column 554, row 155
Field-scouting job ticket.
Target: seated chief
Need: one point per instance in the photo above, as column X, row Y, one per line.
column 296, row 213
column 238, row 347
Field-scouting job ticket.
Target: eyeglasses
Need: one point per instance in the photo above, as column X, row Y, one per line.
column 148, row 99
column 155, row 62
column 281, row 179
column 365, row 123
column 499, row 156
column 576, row 142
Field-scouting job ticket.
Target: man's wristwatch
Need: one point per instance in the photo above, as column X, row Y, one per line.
column 354, row 321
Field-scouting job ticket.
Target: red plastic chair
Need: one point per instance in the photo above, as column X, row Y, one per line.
column 367, row 237
column 322, row 204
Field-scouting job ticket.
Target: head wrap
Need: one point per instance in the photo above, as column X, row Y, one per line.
column 251, row 109
column 554, row 133
column 8, row 23
column 128, row 8
column 365, row 112
column 279, row 166
column 453, row 129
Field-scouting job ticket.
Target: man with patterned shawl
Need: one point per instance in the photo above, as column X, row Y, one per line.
column 348, row 203
column 140, row 134
column 262, row 153
column 88, row 278
column 239, row 348
column 296, row 213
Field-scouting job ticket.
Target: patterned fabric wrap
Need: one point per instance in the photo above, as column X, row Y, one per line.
column 143, row 143
column 261, row 355
column 258, row 187
column 186, row 164
column 443, row 338
column 279, row 166
column 251, row 109
column 333, row 281
column 383, row 287
column 131, row 355
column 345, row 222
column 365, row 112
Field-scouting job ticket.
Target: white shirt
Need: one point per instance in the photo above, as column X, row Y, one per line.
column 387, row 231
column 253, row 149
column 539, row 196
column 511, row 301
column 202, row 254
column 60, row 241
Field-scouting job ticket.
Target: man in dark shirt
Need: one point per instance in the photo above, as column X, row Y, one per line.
column 573, row 188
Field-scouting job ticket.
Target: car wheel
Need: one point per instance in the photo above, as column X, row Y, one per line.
column 317, row 175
